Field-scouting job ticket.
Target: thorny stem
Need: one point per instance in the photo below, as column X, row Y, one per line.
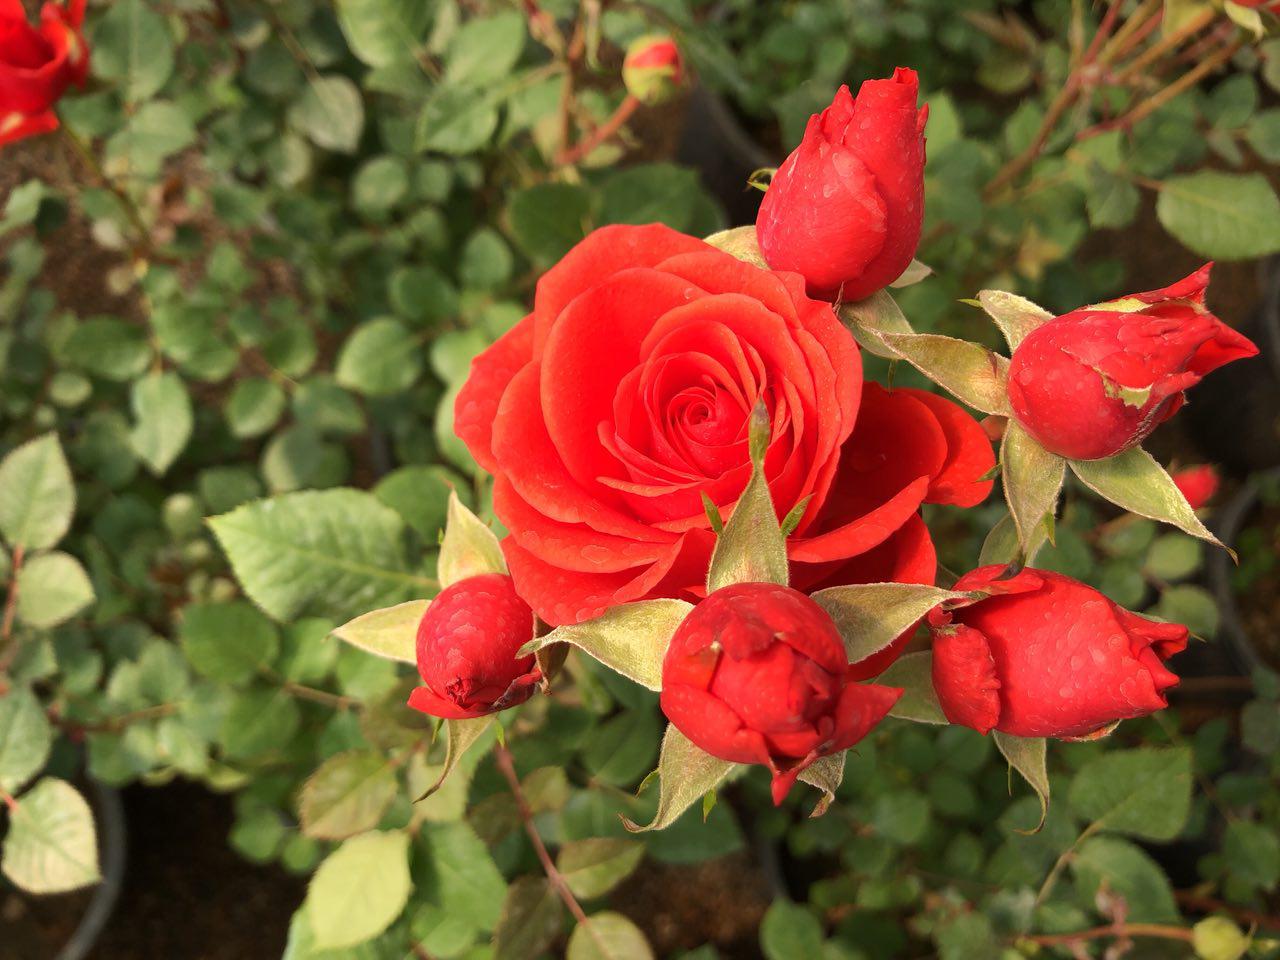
column 7, row 799
column 1198, row 902
column 1171, row 42
column 322, row 697
column 1157, row 931
column 8, row 645
column 81, row 150
column 601, row 134
column 1136, row 27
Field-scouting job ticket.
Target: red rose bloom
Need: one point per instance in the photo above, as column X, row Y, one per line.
column 845, row 209
column 1047, row 656
column 467, row 645
column 36, row 66
column 608, row 414
column 1095, row 382
column 1198, row 484
column 758, row 674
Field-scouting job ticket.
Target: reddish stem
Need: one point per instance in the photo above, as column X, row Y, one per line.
column 1156, row 931
column 601, row 134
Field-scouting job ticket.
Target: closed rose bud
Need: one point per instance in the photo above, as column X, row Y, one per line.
column 467, row 645
column 1047, row 656
column 1095, row 382
column 37, row 65
column 758, row 674
column 653, row 69
column 845, row 209
column 1198, row 484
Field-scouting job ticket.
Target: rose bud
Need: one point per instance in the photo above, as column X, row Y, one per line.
column 1095, row 382
column 758, row 674
column 467, row 645
column 1047, row 656
column 1198, row 484
column 37, row 65
column 653, row 69
column 844, row 210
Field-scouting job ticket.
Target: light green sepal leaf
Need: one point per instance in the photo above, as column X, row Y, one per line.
column 870, row 616
column 870, row 319
column 686, row 773
column 1001, row 545
column 919, row 701
column 359, row 890
column 915, row 272
column 52, row 846
column 825, row 773
column 1032, row 482
column 1027, row 756
column 740, row 242
column 631, row 638
column 752, row 547
column 1015, row 316
column 391, row 632
column 460, row 736
column 1133, row 480
column 972, row 373
column 37, row 497
column 469, row 548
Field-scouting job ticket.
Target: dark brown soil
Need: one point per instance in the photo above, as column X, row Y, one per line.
column 1259, row 609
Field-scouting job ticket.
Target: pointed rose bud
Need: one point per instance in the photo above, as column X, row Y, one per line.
column 37, row 65
column 1198, row 484
column 845, row 209
column 758, row 674
column 653, row 69
column 467, row 645
column 1047, row 656
column 1095, row 382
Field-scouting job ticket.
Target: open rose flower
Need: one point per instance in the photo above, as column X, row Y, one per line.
column 1095, row 382
column 611, row 411
column 1197, row 484
column 1047, row 656
column 37, row 65
column 758, row 674
column 845, row 209
column 467, row 645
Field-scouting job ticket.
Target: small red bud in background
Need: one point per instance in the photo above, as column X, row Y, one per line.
column 1198, row 484
column 653, row 69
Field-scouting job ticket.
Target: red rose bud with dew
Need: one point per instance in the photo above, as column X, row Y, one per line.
column 758, row 674
column 1047, row 656
column 653, row 69
column 37, row 65
column 468, row 641
column 845, row 209
column 1198, row 484
column 1095, row 382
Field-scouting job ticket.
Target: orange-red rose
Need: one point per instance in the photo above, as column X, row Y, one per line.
column 37, row 65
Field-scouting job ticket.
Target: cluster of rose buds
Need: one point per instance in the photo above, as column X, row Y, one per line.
column 37, row 65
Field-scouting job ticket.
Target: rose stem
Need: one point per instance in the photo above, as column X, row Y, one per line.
column 601, row 133
column 1171, row 42
column 86, row 156
column 1155, row 930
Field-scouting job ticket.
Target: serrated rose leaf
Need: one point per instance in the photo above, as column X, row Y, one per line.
column 594, row 866
column 1144, row 792
column 359, row 890
column 686, row 773
column 870, row 616
column 1015, row 316
column 52, row 588
column 391, row 632
column 608, row 936
column 972, row 373
column 37, row 497
column 532, row 915
column 1027, row 756
column 469, row 548
column 919, row 701
column 25, row 738
column 1032, row 482
column 52, row 846
column 347, row 795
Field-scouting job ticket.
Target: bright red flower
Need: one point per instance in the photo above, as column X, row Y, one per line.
column 1095, row 382
column 845, row 209
column 1047, row 656
column 758, row 674
column 610, row 411
column 37, row 65
column 1198, row 484
column 467, row 645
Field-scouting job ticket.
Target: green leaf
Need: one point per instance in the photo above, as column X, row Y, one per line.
column 485, row 49
column 109, row 348
column 1224, row 216
column 913, row 274
column 227, row 642
column 384, row 32
column 919, row 701
column 254, row 407
column 37, row 498
column 650, row 193
column 25, row 738
column 594, row 866
column 420, row 494
column 975, row 375
column 1015, row 316
column 163, row 420
column 686, row 773
column 1144, row 792
column 790, row 931
column 52, row 846
column 870, row 319
column 132, row 46
column 870, row 616
column 1189, row 605
column 380, row 358
column 631, row 638
column 752, row 547
column 461, row 876
column 469, row 547
column 1133, row 480
column 359, row 890
column 530, row 922
column 1032, row 480
column 259, row 723
column 1027, row 756
column 149, row 137
column 330, row 552
column 456, row 121
column 608, row 936
column 1173, row 557
column 52, row 588
column 391, row 632
column 740, row 242
column 347, row 795
column 330, row 113
column 1252, row 852
column 460, row 736
column 1001, row 544
column 549, row 218
column 1128, row 871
